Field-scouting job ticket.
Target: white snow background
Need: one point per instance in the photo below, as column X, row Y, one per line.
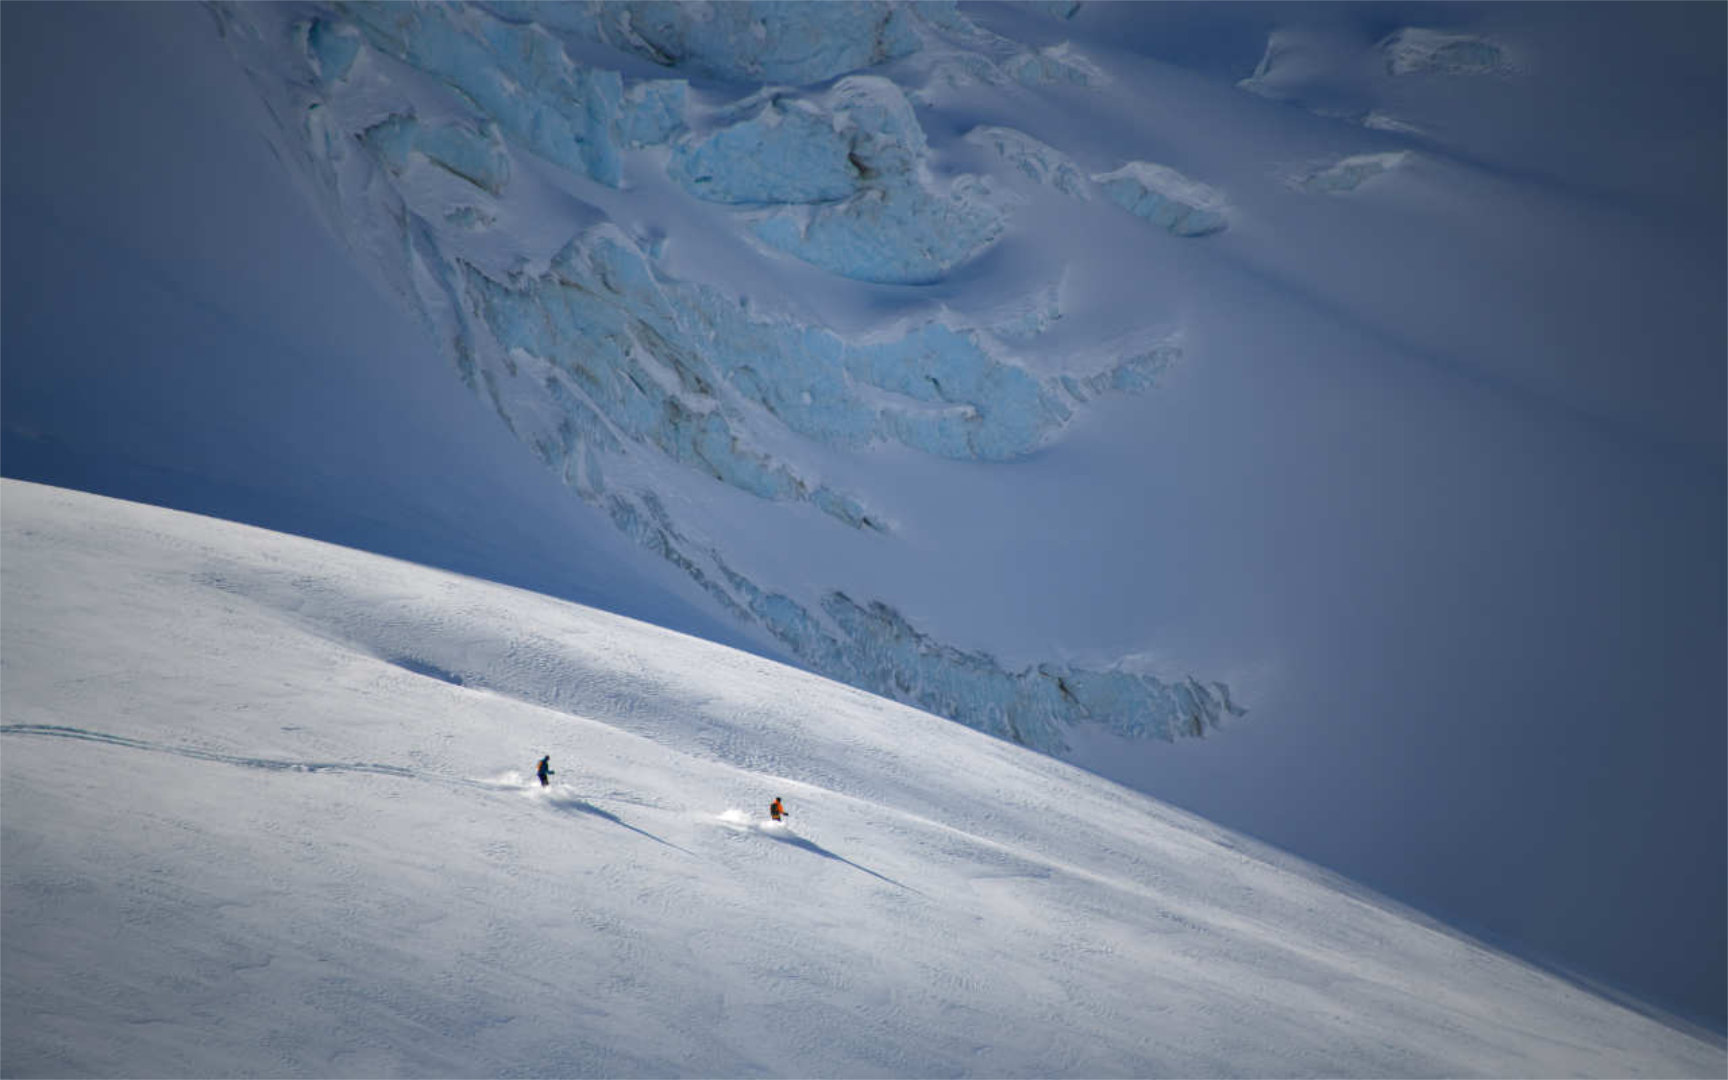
column 269, row 811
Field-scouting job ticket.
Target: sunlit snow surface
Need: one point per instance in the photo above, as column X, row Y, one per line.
column 269, row 810
column 1420, row 453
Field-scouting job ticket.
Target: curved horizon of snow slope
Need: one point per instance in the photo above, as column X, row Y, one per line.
column 504, row 166
column 1424, row 460
column 268, row 811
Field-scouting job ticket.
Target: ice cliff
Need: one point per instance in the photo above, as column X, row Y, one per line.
column 496, row 164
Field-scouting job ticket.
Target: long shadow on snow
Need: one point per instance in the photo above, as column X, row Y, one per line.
column 199, row 754
column 571, row 802
column 815, row 848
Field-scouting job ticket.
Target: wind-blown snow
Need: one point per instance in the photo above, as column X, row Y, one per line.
column 268, row 810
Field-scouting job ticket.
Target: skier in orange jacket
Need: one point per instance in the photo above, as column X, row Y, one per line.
column 776, row 810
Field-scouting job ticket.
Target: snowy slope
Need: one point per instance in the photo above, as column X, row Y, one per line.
column 1364, row 359
column 268, row 811
column 746, row 277
column 682, row 258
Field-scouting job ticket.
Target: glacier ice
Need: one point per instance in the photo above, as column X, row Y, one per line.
column 839, row 180
column 766, row 41
column 1416, row 50
column 897, row 225
column 457, row 139
column 654, row 355
column 1036, row 160
column 1156, row 193
column 1377, row 120
column 653, row 112
column 787, row 152
column 872, row 645
column 517, row 75
column 1339, row 76
column 1348, row 174
column 1165, row 197
column 1060, row 63
column 333, row 47
column 476, row 156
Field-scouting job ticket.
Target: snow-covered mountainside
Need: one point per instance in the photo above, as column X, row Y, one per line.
column 690, row 252
column 1050, row 366
column 548, row 186
column 269, row 811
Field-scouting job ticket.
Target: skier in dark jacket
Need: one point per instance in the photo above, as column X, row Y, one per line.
column 544, row 770
column 776, row 810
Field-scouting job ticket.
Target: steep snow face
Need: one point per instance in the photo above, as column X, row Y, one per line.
column 269, row 809
column 510, row 169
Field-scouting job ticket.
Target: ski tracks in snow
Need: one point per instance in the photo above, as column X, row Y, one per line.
column 558, row 797
column 200, row 754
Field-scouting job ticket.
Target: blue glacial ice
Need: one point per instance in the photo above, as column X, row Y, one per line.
column 873, row 646
column 891, row 223
column 652, row 112
column 656, row 356
column 516, row 75
column 764, row 41
column 1165, row 197
column 477, row 156
column 430, row 131
column 1156, row 193
column 333, row 47
column 788, row 152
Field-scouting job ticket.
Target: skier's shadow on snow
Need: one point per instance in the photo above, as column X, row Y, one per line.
column 571, row 802
column 815, row 848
